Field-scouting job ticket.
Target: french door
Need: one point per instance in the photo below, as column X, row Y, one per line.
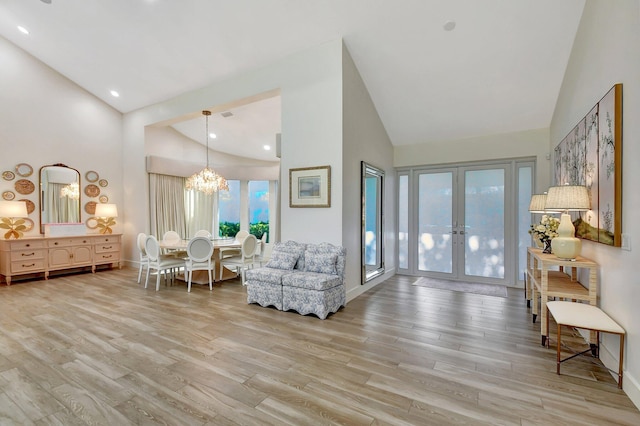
column 459, row 222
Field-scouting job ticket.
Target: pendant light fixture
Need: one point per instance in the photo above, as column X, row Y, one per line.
column 207, row 180
column 71, row 191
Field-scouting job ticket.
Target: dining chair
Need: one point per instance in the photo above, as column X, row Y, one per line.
column 241, row 235
column 159, row 262
column 144, row 259
column 259, row 257
column 172, row 237
column 225, row 252
column 203, row 233
column 245, row 260
column 199, row 252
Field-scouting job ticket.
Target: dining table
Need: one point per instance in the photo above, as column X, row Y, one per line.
column 202, row 277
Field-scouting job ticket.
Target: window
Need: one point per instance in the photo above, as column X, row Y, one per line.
column 259, row 208
column 229, row 210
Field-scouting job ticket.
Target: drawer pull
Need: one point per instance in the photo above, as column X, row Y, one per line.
column 106, row 248
column 28, row 266
column 28, row 254
column 28, row 245
column 107, row 257
column 55, row 244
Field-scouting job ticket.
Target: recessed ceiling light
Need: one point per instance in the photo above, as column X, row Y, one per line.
column 114, row 94
column 449, row 25
column 23, row 30
column 267, row 148
column 212, row 135
column 46, row 1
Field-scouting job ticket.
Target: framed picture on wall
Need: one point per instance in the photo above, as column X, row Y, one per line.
column 310, row 187
column 591, row 155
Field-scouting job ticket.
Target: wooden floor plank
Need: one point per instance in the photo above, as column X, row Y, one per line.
column 102, row 349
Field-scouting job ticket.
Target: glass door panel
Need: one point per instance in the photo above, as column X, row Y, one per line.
column 435, row 214
column 484, row 223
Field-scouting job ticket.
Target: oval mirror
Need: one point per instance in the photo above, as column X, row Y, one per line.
column 59, row 195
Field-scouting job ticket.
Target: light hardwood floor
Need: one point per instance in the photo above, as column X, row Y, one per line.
column 102, row 349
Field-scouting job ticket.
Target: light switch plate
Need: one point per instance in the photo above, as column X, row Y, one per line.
column 626, row 242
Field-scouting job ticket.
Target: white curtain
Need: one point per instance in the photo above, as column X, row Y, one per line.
column 199, row 211
column 167, row 205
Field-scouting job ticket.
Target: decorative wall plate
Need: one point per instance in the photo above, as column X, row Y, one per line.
column 92, row 190
column 103, row 182
column 8, row 175
column 92, row 222
column 28, row 223
column 90, row 207
column 8, row 195
column 24, row 170
column 24, row 186
column 103, row 199
column 30, row 206
column 91, row 176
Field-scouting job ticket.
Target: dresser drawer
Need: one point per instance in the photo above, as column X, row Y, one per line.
column 68, row 242
column 26, row 244
column 106, row 239
column 106, row 257
column 106, row 247
column 27, row 255
column 27, row 265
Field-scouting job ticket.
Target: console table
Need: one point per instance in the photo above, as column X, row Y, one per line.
column 41, row 255
column 563, row 284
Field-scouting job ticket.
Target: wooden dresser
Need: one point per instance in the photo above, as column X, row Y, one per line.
column 42, row 255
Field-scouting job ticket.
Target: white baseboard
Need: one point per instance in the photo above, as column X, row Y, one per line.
column 630, row 384
column 355, row 292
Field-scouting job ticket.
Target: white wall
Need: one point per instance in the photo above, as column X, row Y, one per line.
column 310, row 84
column 526, row 143
column 365, row 139
column 48, row 119
column 606, row 52
column 175, row 154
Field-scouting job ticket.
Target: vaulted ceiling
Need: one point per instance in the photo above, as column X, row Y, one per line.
column 499, row 69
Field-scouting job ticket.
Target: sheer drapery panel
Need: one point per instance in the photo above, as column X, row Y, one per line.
column 198, row 211
column 167, row 201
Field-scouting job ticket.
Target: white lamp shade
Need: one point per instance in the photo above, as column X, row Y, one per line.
column 106, row 210
column 13, row 209
column 538, row 202
column 568, row 198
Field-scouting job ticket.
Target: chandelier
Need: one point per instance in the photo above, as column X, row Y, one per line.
column 71, row 191
column 207, row 180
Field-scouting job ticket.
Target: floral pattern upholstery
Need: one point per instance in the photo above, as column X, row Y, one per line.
column 315, row 285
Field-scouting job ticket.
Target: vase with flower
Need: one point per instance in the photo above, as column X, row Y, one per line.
column 545, row 231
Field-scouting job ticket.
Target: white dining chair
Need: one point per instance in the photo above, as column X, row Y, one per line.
column 161, row 263
column 199, row 252
column 203, row 233
column 173, row 238
column 260, row 250
column 245, row 260
column 144, row 259
column 241, row 235
column 228, row 252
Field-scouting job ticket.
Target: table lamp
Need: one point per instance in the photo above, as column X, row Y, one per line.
column 538, row 201
column 567, row 198
column 12, row 214
column 106, row 214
